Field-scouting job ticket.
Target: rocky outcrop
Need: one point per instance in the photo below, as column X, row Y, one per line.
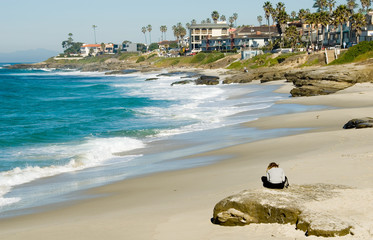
column 283, row 206
column 202, row 80
column 327, row 80
column 240, row 78
column 207, row 80
column 359, row 123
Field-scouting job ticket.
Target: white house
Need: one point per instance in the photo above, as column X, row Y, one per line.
column 90, row 50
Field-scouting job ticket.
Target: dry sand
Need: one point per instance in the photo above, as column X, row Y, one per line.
column 179, row 204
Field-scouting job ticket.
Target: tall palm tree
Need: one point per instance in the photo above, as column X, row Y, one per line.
column 208, row 20
column 324, row 20
column 280, row 6
column 143, row 30
column 292, row 35
column 330, row 5
column 163, row 29
column 223, row 18
column 235, row 16
column 94, row 32
column 193, row 21
column 340, row 17
column 293, row 15
column 282, row 18
column 260, row 19
column 358, row 21
column 267, row 13
column 179, row 32
column 311, row 21
column 321, row 5
column 150, row 28
column 351, row 4
column 231, row 21
column 215, row 16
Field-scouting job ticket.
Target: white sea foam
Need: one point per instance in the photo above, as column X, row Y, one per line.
column 91, row 153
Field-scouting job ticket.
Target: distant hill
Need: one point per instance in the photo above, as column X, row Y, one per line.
column 34, row 55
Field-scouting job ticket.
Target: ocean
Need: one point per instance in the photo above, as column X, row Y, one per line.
column 63, row 131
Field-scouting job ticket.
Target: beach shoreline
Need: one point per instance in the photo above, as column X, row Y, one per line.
column 178, row 204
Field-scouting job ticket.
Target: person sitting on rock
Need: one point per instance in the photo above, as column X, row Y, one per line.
column 275, row 178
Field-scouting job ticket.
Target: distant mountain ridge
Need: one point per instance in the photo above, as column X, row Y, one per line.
column 32, row 55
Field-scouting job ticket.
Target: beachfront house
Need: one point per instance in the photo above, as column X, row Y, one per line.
column 111, row 48
column 254, row 36
column 211, row 33
column 90, row 50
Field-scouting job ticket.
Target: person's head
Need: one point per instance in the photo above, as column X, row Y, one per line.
column 272, row 165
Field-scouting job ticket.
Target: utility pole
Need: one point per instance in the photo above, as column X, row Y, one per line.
column 94, row 32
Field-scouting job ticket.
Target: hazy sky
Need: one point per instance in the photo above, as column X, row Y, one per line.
column 31, row 24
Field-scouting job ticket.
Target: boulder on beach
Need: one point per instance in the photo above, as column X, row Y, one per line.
column 359, row 123
column 288, row 206
column 207, row 80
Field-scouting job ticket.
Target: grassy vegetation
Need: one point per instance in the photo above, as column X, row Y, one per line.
column 140, row 59
column 360, row 52
column 199, row 59
column 264, row 60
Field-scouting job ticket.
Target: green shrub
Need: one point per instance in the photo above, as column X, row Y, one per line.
column 353, row 52
column 174, row 62
column 140, row 59
column 152, row 55
column 236, row 65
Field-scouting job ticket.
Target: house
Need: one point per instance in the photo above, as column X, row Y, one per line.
column 165, row 45
column 204, row 31
column 254, row 36
column 367, row 33
column 90, row 50
column 111, row 48
column 129, row 47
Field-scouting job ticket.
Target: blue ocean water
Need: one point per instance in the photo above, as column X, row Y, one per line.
column 82, row 129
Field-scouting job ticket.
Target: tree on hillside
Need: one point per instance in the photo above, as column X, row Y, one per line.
column 143, row 30
column 358, row 21
column 340, row 17
column 260, row 19
column 215, row 16
column 70, row 46
column 150, row 28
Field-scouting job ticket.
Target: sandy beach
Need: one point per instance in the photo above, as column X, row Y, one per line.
column 179, row 204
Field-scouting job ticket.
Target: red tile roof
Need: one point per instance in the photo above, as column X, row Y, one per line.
column 92, row 45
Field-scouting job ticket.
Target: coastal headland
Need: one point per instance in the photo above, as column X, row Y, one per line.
column 179, row 204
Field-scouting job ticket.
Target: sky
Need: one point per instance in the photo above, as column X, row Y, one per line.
column 32, row 24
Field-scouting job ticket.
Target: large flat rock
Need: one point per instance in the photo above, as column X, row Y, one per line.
column 295, row 205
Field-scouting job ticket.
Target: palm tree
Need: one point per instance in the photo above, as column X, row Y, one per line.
column 260, row 19
column 282, row 18
column 365, row 4
column 324, row 20
column 163, row 29
column 311, row 20
column 179, row 32
column 351, row 4
column 293, row 15
column 143, row 30
column 150, row 28
column 292, row 34
column 358, row 21
column 235, row 16
column 94, row 32
column 320, row 5
column 193, row 21
column 330, row 4
column 231, row 21
column 215, row 16
column 341, row 16
column 223, row 18
column 280, row 6
column 267, row 11
column 208, row 20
